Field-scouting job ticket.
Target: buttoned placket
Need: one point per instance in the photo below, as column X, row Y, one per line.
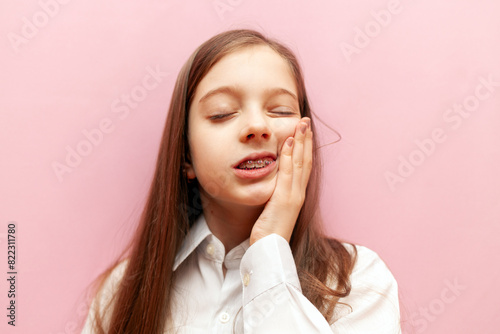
column 227, row 311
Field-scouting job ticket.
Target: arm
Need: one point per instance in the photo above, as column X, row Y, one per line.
column 273, row 301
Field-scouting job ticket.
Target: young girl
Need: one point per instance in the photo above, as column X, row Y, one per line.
column 230, row 240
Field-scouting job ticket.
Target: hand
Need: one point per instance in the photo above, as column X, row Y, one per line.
column 295, row 164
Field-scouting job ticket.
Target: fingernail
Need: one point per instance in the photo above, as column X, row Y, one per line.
column 308, row 121
column 303, row 127
column 289, row 142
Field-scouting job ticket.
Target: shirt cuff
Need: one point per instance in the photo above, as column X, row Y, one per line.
column 266, row 264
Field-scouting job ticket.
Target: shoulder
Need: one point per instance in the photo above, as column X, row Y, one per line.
column 369, row 265
column 370, row 271
column 104, row 297
column 373, row 303
column 113, row 280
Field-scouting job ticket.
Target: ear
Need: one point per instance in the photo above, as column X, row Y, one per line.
column 188, row 168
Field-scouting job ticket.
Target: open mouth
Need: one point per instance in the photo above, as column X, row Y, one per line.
column 258, row 170
column 256, row 164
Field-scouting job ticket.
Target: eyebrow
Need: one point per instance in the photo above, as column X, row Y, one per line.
column 232, row 90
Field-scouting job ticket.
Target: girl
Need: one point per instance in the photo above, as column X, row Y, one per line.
column 230, row 239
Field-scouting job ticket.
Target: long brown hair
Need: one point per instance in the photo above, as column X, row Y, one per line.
column 142, row 298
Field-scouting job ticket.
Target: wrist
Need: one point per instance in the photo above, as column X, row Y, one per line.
column 257, row 235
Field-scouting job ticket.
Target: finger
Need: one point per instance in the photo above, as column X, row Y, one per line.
column 285, row 168
column 298, row 156
column 308, row 157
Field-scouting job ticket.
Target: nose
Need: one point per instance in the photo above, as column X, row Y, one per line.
column 256, row 127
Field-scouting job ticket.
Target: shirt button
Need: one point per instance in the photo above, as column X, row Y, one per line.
column 246, row 279
column 210, row 249
column 224, row 317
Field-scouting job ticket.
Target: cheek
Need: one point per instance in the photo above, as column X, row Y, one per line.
column 204, row 152
column 199, row 139
column 285, row 127
column 207, row 150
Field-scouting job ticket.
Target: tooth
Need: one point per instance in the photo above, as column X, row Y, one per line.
column 249, row 164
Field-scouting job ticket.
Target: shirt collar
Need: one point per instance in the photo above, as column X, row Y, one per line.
column 197, row 233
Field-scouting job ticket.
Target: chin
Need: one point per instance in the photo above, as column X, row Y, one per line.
column 257, row 201
column 257, row 196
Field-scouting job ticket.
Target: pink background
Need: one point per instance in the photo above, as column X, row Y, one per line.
column 437, row 228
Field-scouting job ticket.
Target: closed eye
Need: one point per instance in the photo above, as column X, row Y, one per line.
column 284, row 112
column 220, row 116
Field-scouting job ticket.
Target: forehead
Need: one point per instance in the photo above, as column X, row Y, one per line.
column 254, row 69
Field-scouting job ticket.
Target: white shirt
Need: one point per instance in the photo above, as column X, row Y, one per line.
column 261, row 291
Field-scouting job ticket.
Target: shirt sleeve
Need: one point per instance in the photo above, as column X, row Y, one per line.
column 273, row 301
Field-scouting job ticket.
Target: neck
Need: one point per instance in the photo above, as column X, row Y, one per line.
column 231, row 223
